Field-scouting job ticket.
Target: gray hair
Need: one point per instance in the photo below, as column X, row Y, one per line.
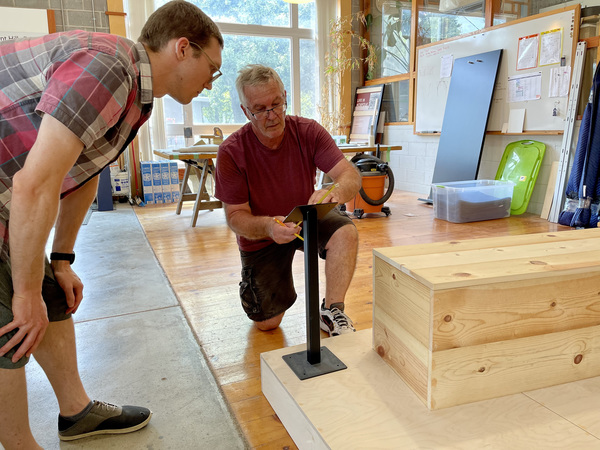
column 255, row 75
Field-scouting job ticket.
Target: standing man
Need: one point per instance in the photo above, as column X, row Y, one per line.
column 264, row 170
column 70, row 103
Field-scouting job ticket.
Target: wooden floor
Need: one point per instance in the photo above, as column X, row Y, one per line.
column 202, row 264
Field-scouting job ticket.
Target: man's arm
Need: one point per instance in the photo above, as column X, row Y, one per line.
column 241, row 220
column 72, row 211
column 34, row 205
column 347, row 177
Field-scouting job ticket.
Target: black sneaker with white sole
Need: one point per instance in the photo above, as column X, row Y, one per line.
column 334, row 320
column 103, row 418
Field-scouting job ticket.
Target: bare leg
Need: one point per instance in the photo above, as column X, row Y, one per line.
column 340, row 263
column 269, row 324
column 15, row 432
column 57, row 354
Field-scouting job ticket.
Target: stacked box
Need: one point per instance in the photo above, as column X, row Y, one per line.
column 174, row 173
column 146, row 168
column 165, row 181
column 157, row 183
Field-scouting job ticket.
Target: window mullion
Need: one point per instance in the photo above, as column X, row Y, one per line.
column 188, row 121
column 295, row 75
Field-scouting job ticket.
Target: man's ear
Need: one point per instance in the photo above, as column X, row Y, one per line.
column 182, row 48
column 246, row 113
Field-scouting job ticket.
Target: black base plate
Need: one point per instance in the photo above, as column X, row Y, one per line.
column 299, row 364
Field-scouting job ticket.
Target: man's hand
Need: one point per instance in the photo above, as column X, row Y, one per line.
column 324, row 196
column 31, row 320
column 281, row 232
column 70, row 283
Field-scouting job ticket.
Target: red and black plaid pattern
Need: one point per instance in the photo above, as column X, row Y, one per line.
column 98, row 85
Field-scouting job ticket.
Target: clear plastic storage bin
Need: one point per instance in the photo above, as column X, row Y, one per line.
column 472, row 201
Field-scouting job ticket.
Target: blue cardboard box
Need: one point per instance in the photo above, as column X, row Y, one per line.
column 157, row 183
column 174, row 173
column 165, row 181
column 146, row 169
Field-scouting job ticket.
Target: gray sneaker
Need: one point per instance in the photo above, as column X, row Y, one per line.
column 103, row 418
column 334, row 320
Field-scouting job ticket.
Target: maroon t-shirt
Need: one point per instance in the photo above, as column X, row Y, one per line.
column 273, row 182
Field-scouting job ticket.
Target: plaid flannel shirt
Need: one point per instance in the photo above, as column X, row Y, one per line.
column 98, row 85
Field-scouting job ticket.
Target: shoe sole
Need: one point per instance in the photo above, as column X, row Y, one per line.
column 99, row 432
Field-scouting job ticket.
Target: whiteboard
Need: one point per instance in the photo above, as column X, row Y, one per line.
column 432, row 89
column 22, row 22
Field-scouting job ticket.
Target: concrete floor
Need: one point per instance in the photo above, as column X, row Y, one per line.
column 135, row 347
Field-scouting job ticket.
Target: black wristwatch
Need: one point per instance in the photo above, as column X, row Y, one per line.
column 56, row 256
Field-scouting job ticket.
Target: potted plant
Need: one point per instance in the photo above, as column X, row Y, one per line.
column 344, row 33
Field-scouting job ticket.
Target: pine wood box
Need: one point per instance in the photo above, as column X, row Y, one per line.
column 464, row 321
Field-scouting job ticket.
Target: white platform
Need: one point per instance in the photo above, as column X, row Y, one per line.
column 369, row 406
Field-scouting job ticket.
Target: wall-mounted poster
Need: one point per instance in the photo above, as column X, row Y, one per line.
column 527, row 55
column 365, row 116
column 550, row 47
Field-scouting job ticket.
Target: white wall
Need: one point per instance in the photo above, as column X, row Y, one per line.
column 413, row 165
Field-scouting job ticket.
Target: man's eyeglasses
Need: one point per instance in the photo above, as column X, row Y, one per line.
column 279, row 109
column 215, row 74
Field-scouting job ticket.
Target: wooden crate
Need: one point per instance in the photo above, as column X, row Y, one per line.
column 464, row 321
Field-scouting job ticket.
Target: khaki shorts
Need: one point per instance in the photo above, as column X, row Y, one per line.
column 267, row 286
column 54, row 297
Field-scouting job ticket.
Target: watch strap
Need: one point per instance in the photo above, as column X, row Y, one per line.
column 57, row 256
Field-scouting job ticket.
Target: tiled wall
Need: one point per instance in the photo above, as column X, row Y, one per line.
column 88, row 15
column 413, row 165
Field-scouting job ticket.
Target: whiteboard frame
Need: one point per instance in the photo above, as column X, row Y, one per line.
column 432, row 91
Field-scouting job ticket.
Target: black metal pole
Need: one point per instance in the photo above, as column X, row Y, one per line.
column 311, row 283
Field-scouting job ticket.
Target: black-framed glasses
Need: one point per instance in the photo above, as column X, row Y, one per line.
column 215, row 74
column 279, row 109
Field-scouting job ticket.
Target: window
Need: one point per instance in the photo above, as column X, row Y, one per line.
column 449, row 18
column 269, row 32
column 397, row 37
column 395, row 41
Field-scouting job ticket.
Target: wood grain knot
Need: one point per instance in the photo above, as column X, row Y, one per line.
column 461, row 274
column 454, row 242
column 578, row 359
column 381, row 351
column 481, row 370
column 538, row 263
column 448, row 318
column 394, row 276
column 553, row 304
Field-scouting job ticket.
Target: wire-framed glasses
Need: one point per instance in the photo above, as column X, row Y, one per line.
column 279, row 109
column 217, row 72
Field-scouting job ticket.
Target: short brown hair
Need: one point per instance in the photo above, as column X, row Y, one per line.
column 176, row 19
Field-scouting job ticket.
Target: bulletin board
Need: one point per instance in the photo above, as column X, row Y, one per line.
column 25, row 22
column 515, row 39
